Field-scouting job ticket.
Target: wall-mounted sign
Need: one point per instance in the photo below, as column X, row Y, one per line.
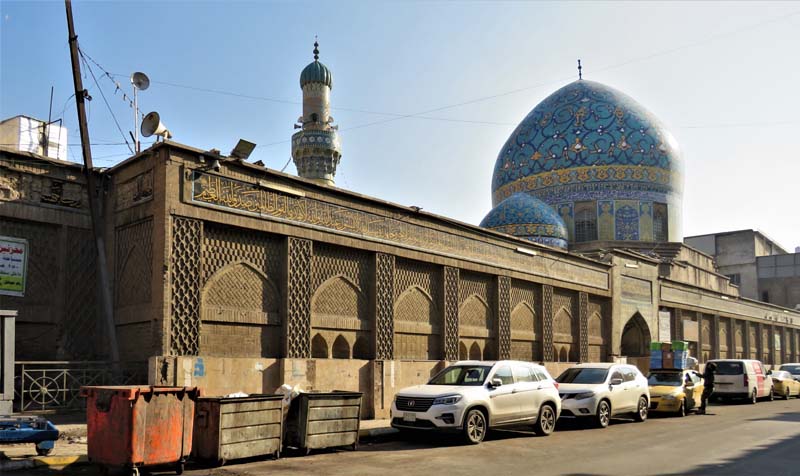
column 777, row 337
column 13, row 265
column 664, row 327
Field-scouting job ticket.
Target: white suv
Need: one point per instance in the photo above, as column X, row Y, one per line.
column 472, row 396
column 602, row 391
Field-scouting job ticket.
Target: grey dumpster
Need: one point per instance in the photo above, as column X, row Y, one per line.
column 323, row 420
column 242, row 427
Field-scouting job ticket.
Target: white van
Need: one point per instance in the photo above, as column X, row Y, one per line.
column 738, row 378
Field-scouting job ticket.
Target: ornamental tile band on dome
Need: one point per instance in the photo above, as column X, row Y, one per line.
column 526, row 217
column 607, row 165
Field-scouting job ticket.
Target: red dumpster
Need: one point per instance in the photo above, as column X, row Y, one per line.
column 133, row 426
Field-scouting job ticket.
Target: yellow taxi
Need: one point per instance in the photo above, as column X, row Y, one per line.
column 784, row 384
column 674, row 391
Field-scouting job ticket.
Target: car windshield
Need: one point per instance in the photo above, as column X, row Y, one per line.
column 583, row 375
column 729, row 368
column 673, row 379
column 473, row 375
column 792, row 369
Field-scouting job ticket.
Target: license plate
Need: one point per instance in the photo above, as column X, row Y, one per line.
column 409, row 417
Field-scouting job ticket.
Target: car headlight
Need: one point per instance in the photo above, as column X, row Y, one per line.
column 670, row 396
column 447, row 400
column 584, row 395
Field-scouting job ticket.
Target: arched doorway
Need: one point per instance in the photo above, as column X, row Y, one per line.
column 636, row 337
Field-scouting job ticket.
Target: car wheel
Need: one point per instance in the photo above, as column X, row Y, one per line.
column 546, row 422
column 754, row 397
column 475, row 427
column 682, row 409
column 771, row 396
column 603, row 414
column 641, row 410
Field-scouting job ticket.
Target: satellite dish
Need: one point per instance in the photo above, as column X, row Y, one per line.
column 151, row 125
column 140, row 81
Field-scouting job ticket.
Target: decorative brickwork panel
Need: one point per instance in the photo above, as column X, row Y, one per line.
column 298, row 298
column 566, row 326
column 753, row 343
column 224, row 245
column 739, row 339
column 426, row 276
column 384, row 306
column 82, row 332
column 477, row 323
column 450, row 298
column 598, row 329
column 677, row 324
column 417, row 310
column 240, row 314
column 186, row 274
column 134, row 263
column 504, row 316
column 547, row 323
column 340, row 312
column 526, row 322
column 583, row 313
column 330, row 261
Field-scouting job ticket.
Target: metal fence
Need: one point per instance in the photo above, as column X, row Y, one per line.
column 41, row 386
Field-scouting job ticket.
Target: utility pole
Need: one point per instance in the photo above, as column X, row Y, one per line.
column 95, row 195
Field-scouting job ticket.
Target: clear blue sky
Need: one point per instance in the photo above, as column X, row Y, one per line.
column 723, row 77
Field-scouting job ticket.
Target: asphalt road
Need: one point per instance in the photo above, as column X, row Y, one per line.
column 735, row 439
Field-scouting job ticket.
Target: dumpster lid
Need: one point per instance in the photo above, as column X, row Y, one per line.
column 134, row 390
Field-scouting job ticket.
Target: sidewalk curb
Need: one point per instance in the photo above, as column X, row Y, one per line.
column 377, row 432
column 42, row 462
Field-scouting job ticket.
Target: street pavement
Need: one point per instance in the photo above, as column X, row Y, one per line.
column 730, row 440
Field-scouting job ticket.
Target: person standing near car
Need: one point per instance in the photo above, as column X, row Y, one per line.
column 708, row 389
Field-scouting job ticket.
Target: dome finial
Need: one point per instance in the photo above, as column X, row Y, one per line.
column 580, row 75
column 316, row 49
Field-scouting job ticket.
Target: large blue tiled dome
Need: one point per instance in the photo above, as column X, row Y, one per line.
column 526, row 217
column 590, row 148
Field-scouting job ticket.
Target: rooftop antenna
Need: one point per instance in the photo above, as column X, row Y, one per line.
column 580, row 75
column 140, row 82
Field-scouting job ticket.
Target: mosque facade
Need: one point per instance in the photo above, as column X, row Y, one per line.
column 240, row 278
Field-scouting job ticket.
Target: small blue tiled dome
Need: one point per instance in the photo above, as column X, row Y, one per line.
column 527, row 217
column 316, row 72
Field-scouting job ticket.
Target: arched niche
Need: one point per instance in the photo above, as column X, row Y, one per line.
column 319, row 347
column 341, row 348
column 635, row 337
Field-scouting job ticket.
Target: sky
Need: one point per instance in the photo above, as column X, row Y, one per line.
column 426, row 93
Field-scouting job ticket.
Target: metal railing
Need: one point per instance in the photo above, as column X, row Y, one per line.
column 42, row 386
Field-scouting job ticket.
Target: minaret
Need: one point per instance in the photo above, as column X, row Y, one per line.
column 315, row 149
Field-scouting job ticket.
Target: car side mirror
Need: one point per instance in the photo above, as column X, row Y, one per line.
column 615, row 381
column 496, row 382
column 769, row 372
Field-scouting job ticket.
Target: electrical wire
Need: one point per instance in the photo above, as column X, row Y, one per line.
column 102, row 94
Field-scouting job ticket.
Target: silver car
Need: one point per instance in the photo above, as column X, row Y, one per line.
column 472, row 396
column 602, row 391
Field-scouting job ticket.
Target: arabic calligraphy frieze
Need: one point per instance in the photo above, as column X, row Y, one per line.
column 251, row 199
column 22, row 187
column 137, row 190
